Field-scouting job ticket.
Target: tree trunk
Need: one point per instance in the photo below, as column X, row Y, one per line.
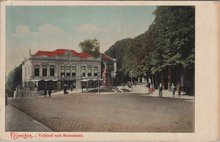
column 182, row 79
column 156, row 80
column 162, row 80
column 169, row 78
column 152, row 79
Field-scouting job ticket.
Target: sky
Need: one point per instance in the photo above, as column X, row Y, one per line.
column 64, row 27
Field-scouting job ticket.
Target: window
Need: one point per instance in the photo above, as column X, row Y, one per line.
column 95, row 71
column 44, row 70
column 62, row 70
column 89, row 71
column 52, row 70
column 68, row 71
column 83, row 70
column 73, row 70
column 36, row 70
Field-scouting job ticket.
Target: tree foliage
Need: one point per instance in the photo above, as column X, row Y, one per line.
column 90, row 46
column 175, row 35
column 169, row 40
column 14, row 79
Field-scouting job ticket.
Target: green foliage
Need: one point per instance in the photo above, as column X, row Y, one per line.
column 170, row 40
column 175, row 35
column 90, row 46
column 14, row 79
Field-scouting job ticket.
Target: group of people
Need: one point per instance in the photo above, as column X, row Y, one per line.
column 47, row 90
column 65, row 88
column 174, row 88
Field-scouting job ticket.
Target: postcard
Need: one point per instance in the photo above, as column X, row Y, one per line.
column 109, row 71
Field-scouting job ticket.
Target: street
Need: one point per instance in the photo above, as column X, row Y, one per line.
column 109, row 112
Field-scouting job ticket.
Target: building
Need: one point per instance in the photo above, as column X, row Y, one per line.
column 59, row 67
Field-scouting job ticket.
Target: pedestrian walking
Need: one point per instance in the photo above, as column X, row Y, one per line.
column 173, row 89
column 65, row 88
column 160, row 91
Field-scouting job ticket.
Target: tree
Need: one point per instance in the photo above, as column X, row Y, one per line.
column 117, row 51
column 90, row 46
column 175, row 34
column 14, row 79
column 175, row 39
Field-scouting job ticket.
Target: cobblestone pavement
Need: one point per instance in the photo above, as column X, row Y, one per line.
column 110, row 113
column 16, row 120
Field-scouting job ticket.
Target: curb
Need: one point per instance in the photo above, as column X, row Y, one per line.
column 31, row 119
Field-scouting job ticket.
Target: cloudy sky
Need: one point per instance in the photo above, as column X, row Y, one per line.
column 53, row 27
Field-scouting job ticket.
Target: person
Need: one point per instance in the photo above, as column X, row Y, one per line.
column 151, row 88
column 71, row 87
column 65, row 88
column 179, row 89
column 135, row 83
column 129, row 84
column 15, row 93
column 173, row 89
column 45, row 91
column 160, row 91
column 49, row 90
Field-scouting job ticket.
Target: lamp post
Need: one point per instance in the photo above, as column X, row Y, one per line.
column 81, row 77
column 113, row 74
column 98, row 82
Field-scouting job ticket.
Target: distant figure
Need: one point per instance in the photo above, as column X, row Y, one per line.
column 135, row 83
column 173, row 88
column 151, row 88
column 65, row 88
column 45, row 91
column 160, row 90
column 129, row 84
column 71, row 87
column 15, row 93
column 49, row 90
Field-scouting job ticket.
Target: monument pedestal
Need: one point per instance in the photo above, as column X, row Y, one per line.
column 106, row 78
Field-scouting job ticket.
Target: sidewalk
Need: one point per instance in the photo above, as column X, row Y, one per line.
column 76, row 90
column 15, row 120
column 141, row 88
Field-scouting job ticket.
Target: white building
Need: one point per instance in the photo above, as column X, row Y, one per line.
column 58, row 67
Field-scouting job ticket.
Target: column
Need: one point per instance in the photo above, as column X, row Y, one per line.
column 78, row 76
column 48, row 70
column 40, row 70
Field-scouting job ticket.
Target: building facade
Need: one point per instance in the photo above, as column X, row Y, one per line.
column 59, row 67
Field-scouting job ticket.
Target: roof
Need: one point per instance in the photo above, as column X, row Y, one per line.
column 61, row 52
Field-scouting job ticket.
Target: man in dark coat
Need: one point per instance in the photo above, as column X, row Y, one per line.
column 49, row 90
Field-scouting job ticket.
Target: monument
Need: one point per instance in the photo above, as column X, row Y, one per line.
column 106, row 76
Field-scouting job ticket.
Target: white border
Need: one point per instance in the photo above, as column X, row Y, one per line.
column 206, row 101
